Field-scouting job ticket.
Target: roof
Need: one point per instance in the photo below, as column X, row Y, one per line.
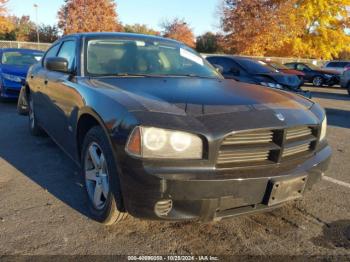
column 237, row 57
column 122, row 35
column 21, row 49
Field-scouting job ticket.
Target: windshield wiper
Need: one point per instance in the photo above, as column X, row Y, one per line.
column 123, row 75
column 193, row 76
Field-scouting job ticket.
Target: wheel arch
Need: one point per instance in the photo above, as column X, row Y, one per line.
column 87, row 119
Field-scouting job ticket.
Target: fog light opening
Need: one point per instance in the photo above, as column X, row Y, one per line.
column 163, row 207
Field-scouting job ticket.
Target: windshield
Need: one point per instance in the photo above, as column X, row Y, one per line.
column 120, row 57
column 256, row 67
column 277, row 65
column 313, row 67
column 19, row 58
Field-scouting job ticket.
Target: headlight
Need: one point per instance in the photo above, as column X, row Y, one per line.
column 157, row 143
column 323, row 129
column 272, row 85
column 12, row 78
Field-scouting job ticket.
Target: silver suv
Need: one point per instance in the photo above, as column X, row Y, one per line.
column 345, row 80
column 339, row 66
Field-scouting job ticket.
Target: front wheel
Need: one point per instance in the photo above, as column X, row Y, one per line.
column 317, row 81
column 101, row 178
column 34, row 128
column 22, row 103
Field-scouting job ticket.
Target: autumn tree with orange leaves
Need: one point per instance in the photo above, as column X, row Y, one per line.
column 77, row 16
column 302, row 28
column 179, row 30
column 5, row 24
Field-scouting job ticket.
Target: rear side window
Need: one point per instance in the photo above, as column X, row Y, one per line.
column 212, row 60
column 301, row 67
column 67, row 51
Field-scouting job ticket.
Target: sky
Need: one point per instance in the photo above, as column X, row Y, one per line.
column 201, row 15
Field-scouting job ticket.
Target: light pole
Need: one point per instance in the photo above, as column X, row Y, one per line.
column 37, row 25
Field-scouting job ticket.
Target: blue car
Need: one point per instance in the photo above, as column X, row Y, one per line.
column 13, row 69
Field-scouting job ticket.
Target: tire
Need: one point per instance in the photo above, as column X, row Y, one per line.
column 318, row 81
column 22, row 104
column 34, row 128
column 101, row 183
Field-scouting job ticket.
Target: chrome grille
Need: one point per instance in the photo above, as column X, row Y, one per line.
column 296, row 150
column 249, row 138
column 261, row 147
column 240, row 157
column 298, row 132
column 246, row 147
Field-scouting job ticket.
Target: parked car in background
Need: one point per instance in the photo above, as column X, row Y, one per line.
column 345, row 80
column 256, row 72
column 339, row 66
column 282, row 68
column 13, row 69
column 158, row 133
column 316, row 75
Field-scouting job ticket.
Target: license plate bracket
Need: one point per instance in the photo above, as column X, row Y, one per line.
column 283, row 190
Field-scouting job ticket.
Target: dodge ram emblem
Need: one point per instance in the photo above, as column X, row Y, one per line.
column 280, row 117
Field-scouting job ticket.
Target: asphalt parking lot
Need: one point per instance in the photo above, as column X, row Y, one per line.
column 43, row 211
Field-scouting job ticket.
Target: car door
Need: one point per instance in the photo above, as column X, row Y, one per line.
column 37, row 83
column 306, row 70
column 61, row 90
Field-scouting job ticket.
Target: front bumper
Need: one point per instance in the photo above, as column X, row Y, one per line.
column 210, row 198
column 334, row 80
column 10, row 90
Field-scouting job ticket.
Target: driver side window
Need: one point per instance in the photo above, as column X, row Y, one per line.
column 52, row 52
column 67, row 51
column 301, row 67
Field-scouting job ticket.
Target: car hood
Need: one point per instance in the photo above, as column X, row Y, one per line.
column 212, row 104
column 15, row 70
column 284, row 79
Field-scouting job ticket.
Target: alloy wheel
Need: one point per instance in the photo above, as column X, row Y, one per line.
column 317, row 81
column 96, row 176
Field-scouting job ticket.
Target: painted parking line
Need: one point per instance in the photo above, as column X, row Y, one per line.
column 335, row 181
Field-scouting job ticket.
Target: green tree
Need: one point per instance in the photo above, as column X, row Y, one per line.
column 47, row 34
column 208, row 43
column 140, row 29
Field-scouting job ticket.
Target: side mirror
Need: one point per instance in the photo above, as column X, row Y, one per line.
column 219, row 68
column 58, row 64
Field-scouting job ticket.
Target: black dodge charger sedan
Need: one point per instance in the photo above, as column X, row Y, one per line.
column 158, row 133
